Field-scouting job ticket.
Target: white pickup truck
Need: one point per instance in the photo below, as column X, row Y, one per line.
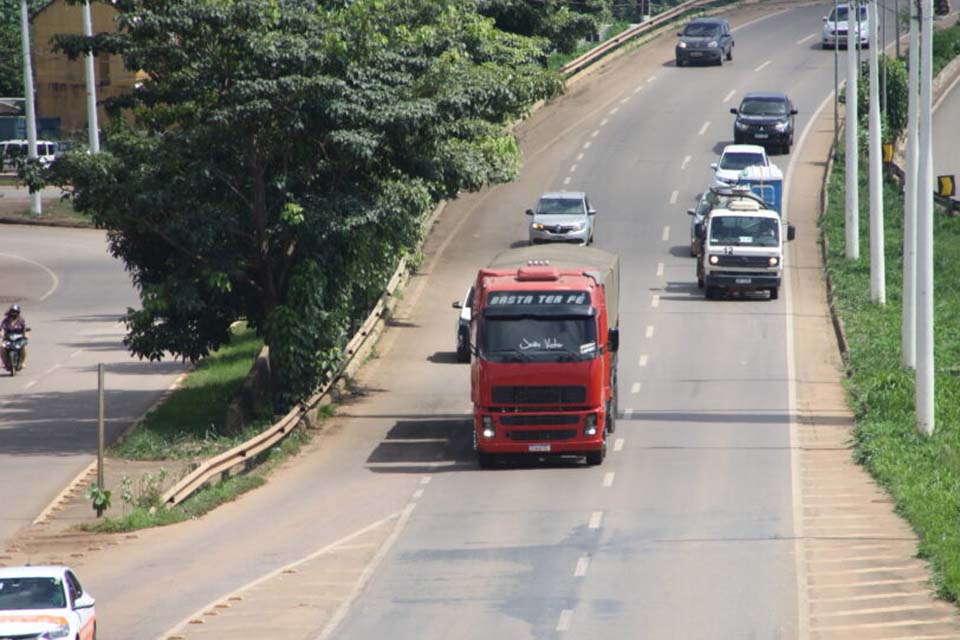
column 742, row 248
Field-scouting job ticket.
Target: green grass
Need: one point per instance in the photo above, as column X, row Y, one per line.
column 946, row 47
column 55, row 212
column 208, row 498
column 922, row 474
column 190, row 423
column 557, row 59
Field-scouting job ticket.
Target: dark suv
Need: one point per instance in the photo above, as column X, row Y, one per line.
column 765, row 118
column 705, row 40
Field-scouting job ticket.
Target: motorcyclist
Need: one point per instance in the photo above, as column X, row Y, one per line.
column 13, row 322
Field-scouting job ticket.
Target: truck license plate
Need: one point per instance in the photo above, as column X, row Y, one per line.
column 538, row 448
column 743, row 280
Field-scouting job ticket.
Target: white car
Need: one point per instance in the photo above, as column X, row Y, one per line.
column 13, row 150
column 835, row 27
column 736, row 158
column 463, row 325
column 43, row 603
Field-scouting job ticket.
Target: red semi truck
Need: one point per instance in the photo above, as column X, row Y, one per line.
column 545, row 334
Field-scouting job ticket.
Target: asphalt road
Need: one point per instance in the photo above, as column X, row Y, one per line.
column 946, row 134
column 73, row 294
column 684, row 532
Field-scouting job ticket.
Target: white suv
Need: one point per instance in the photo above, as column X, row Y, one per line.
column 835, row 27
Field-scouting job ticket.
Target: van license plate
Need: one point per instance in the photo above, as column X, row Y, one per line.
column 743, row 281
column 538, row 448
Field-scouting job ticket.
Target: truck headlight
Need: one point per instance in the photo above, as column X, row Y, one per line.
column 590, row 426
column 774, row 261
column 537, row 226
column 488, row 430
column 712, row 44
column 714, row 259
column 59, row 632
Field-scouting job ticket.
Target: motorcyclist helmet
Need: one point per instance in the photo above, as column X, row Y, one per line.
column 14, row 310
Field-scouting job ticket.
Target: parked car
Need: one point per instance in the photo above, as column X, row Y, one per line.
column 834, row 32
column 11, row 151
column 705, row 40
column 463, row 325
column 45, row 602
column 562, row 216
column 765, row 118
column 736, row 158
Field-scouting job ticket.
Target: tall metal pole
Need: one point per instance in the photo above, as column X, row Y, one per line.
column 896, row 24
column 878, row 289
column 852, row 153
column 836, row 82
column 925, row 373
column 35, row 205
column 908, row 331
column 100, row 429
column 881, row 42
column 92, row 124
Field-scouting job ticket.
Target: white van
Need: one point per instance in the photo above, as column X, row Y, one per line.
column 12, row 150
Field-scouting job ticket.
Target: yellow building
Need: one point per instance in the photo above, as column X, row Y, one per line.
column 61, row 83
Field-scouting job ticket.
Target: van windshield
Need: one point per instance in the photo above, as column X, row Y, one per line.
column 538, row 338
column 744, row 230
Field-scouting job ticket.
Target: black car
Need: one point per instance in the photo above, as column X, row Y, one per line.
column 765, row 118
column 705, row 40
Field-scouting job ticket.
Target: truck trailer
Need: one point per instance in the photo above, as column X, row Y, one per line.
column 545, row 334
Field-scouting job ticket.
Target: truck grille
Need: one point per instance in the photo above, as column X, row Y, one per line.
column 533, row 420
column 540, row 395
column 744, row 261
column 542, row 435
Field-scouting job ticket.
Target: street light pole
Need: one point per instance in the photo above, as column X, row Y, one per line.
column 35, row 204
column 92, row 125
column 852, row 226
column 908, row 331
column 836, row 82
column 878, row 293
column 925, row 373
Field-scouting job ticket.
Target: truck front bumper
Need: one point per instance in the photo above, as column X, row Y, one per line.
column 742, row 281
column 541, row 435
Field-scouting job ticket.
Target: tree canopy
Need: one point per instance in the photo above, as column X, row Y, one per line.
column 11, row 52
column 562, row 22
column 282, row 156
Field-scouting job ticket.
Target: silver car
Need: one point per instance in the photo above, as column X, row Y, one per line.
column 562, row 216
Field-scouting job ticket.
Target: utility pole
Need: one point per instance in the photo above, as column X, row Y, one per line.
column 881, row 42
column 896, row 24
column 908, row 331
column 878, row 289
column 836, row 83
column 853, row 201
column 35, row 204
column 92, row 125
column 925, row 373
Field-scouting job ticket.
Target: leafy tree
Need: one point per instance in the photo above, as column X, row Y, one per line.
column 283, row 154
column 562, row 23
column 11, row 52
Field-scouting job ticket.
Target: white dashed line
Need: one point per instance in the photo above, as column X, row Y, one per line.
column 595, row 133
column 604, row 122
column 613, row 111
column 808, row 38
column 618, row 444
column 564, row 622
column 635, row 388
column 763, row 66
column 418, row 494
column 673, row 197
column 730, row 95
column 579, row 156
column 637, row 90
column 625, row 100
column 649, row 332
column 582, row 565
column 686, row 161
column 659, row 268
column 595, row 519
column 30, row 384
column 666, row 233
column 425, row 480
column 643, row 360
column 51, row 369
column 586, row 145
column 655, row 301
column 573, row 168
column 704, row 128
column 566, row 180
column 608, row 479
column 76, row 353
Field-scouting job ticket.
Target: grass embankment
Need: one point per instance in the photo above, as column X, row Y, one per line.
column 922, row 474
column 55, row 213
column 556, row 59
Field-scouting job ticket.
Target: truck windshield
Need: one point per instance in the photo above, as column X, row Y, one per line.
column 539, row 338
column 744, row 230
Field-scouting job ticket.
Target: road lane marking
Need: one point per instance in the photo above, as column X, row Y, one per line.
column 564, row 622
column 608, row 479
column 659, row 268
column 53, row 277
column 637, row 90
column 566, row 180
column 673, row 196
column 625, row 100
column 604, row 122
column 582, row 565
column 649, row 332
column 808, row 38
column 730, row 95
column 425, row 479
column 613, row 111
column 418, row 494
column 763, row 66
column 666, row 230
column 651, row 78
column 51, row 370
column 595, row 133
column 704, row 128
column 635, row 388
column 586, row 145
column 595, row 519
column 76, row 353
column 628, row 414
column 618, row 444
column 573, row 168
column 686, row 161
column 643, row 360
column 32, row 383
column 655, row 301
column 579, row 156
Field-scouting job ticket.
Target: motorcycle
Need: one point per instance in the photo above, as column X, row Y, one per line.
column 14, row 345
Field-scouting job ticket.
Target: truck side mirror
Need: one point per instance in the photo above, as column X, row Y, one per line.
column 734, row 110
column 613, row 339
column 529, row 212
column 457, row 304
column 791, row 232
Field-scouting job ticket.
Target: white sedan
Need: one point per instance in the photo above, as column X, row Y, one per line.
column 45, row 603
column 736, row 158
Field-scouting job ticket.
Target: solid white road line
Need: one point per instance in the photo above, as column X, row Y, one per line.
column 608, row 479
column 643, row 360
column 53, row 277
column 659, row 268
column 649, row 331
column 613, row 111
column 732, row 93
column 763, row 66
column 564, row 622
column 618, row 444
column 704, row 128
column 666, row 229
column 595, row 519
column 808, row 38
column 635, row 388
column 582, row 565
column 686, row 161
column 637, row 90
column 655, row 301
column 595, row 133
column 625, row 100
